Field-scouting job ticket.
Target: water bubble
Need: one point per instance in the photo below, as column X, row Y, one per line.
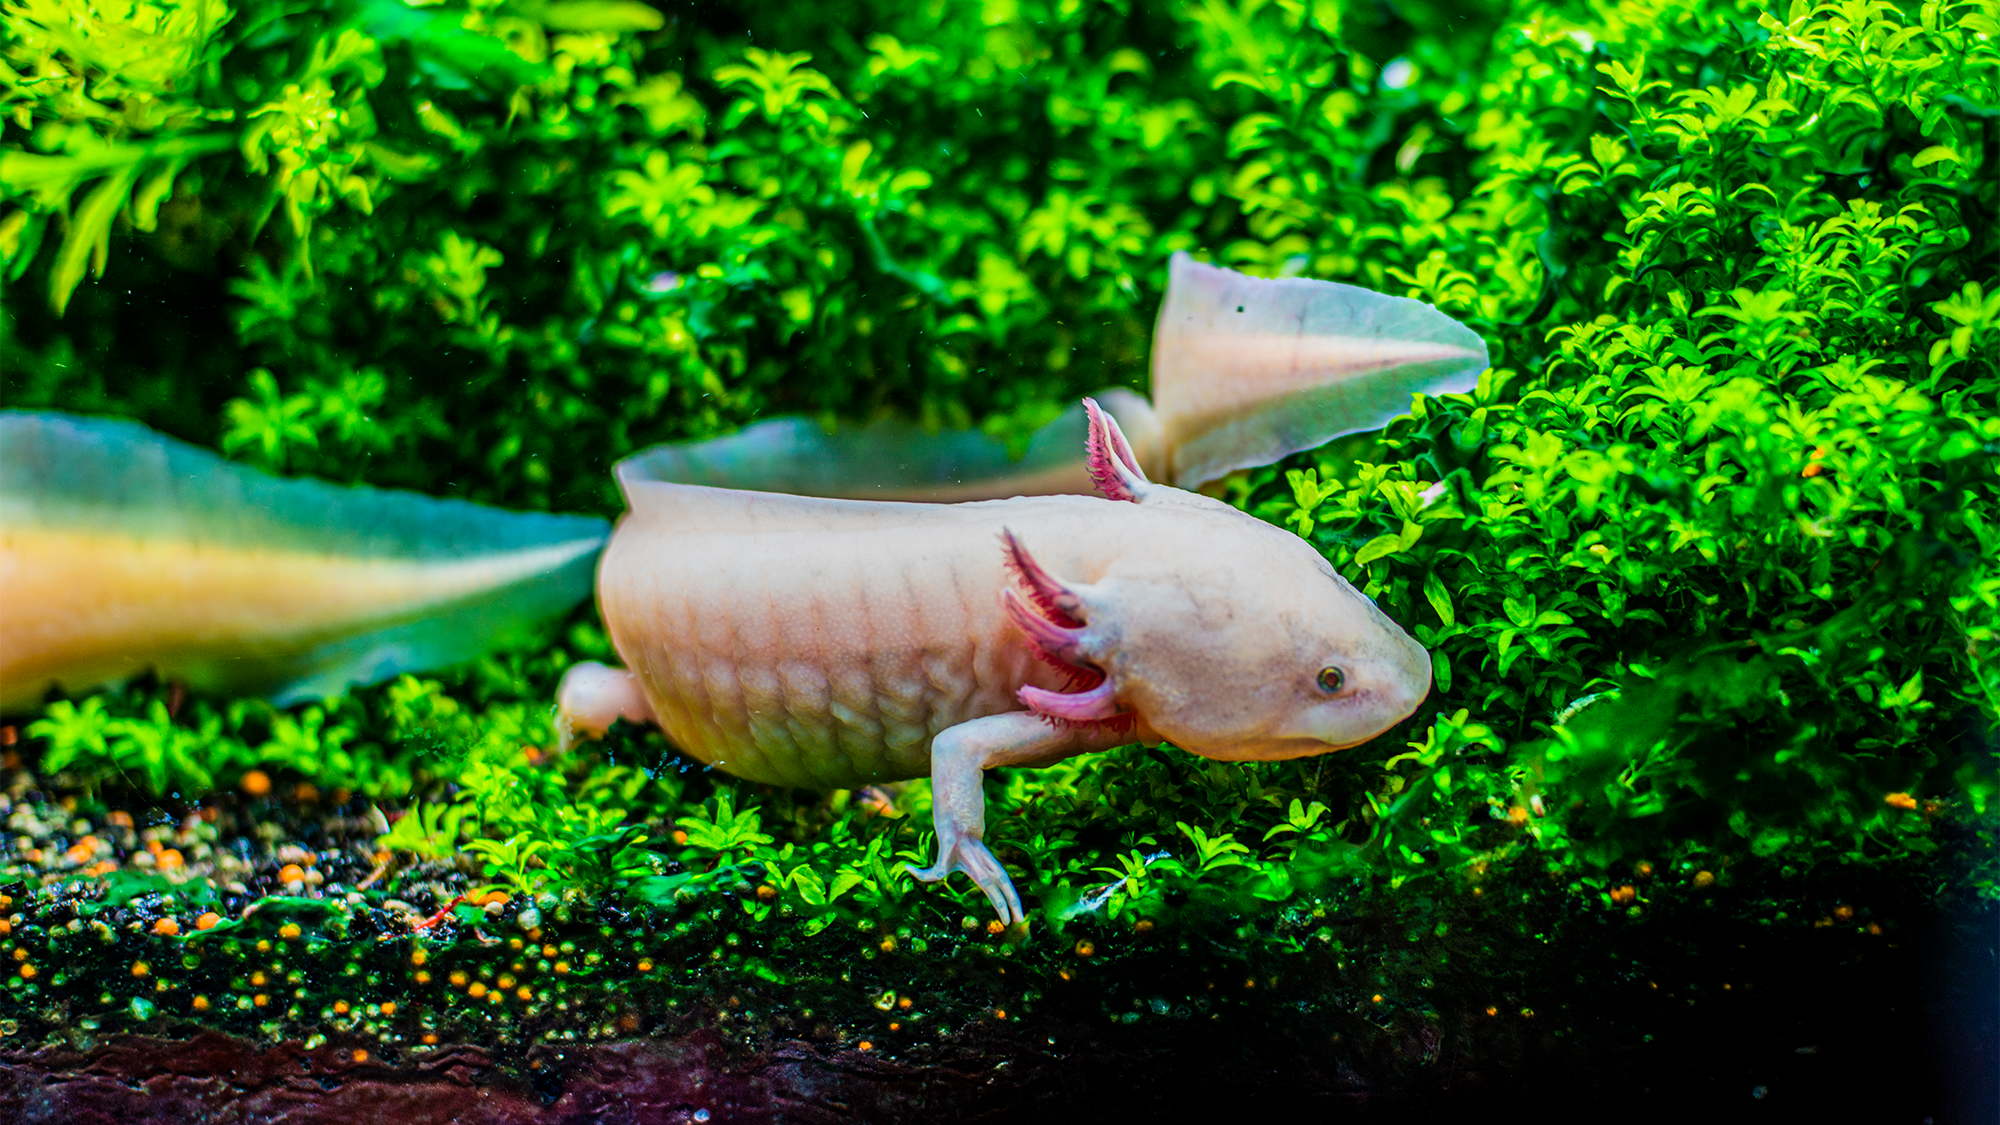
column 701, row 1115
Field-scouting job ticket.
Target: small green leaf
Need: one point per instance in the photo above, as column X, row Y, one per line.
column 1440, row 599
column 89, row 238
column 844, row 880
column 1936, row 154
column 597, row 15
column 1380, row 547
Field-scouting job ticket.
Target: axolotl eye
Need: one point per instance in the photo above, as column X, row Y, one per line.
column 1331, row 680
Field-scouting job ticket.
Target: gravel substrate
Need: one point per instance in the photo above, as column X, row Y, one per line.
column 257, row 959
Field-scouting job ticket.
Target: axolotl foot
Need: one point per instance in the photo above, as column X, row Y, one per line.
column 591, row 697
column 971, row 855
column 959, row 755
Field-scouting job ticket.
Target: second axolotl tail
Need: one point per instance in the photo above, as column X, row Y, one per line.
column 123, row 551
column 833, row 643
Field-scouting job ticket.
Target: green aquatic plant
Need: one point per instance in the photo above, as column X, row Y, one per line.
column 429, row 830
column 723, row 829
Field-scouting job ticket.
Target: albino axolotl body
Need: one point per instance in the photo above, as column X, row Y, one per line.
column 833, row 643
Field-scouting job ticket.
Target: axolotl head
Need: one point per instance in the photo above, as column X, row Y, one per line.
column 1222, row 634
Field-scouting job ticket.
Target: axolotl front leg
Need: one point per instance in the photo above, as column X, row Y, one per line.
column 959, row 756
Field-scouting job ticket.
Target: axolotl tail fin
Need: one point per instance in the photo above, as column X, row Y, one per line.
column 123, row 550
column 1246, row 371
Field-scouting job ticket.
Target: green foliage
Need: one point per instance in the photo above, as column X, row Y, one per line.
column 429, row 829
column 724, row 830
column 1706, row 562
column 1748, row 438
column 154, row 751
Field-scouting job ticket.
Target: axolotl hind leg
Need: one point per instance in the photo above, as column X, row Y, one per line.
column 592, row 697
column 959, row 755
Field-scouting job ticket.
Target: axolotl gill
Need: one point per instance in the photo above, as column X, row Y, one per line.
column 832, row 643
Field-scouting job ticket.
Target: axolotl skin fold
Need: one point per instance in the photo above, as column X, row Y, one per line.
column 833, row 643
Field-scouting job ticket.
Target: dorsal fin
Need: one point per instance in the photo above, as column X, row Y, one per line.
column 896, row 460
column 693, row 509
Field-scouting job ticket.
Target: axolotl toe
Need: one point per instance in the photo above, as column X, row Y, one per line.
column 838, row 643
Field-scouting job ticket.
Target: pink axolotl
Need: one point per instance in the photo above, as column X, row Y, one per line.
column 811, row 642
column 833, row 643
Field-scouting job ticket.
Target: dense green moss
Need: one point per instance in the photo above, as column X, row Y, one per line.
column 1707, row 560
